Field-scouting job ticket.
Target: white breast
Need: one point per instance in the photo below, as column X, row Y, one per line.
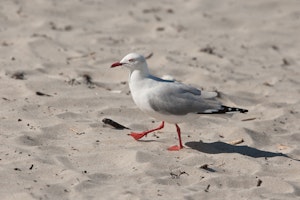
column 140, row 88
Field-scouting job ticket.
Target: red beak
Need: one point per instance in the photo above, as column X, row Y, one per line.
column 116, row 64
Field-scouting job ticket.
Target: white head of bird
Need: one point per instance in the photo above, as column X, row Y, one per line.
column 133, row 61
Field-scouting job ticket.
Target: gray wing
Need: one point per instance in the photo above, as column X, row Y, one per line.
column 178, row 99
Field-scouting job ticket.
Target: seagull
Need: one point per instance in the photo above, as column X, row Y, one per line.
column 168, row 100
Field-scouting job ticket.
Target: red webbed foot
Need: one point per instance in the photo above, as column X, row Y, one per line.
column 175, row 148
column 137, row 136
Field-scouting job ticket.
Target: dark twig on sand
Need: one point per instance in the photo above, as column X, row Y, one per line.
column 114, row 124
column 42, row 94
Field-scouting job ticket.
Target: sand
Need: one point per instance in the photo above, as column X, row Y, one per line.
column 56, row 87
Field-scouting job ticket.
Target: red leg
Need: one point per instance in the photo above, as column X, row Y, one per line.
column 176, row 147
column 138, row 136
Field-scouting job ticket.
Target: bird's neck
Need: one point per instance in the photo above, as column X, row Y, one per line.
column 140, row 73
column 137, row 79
column 137, row 75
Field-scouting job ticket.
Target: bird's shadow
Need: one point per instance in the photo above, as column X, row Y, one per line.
column 221, row 147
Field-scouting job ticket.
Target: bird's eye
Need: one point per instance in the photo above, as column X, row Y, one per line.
column 131, row 60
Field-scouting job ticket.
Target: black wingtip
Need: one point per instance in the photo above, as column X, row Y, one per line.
column 243, row 110
column 226, row 109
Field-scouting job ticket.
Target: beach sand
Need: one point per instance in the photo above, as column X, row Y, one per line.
column 56, row 87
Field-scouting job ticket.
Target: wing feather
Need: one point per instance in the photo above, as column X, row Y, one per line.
column 179, row 99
